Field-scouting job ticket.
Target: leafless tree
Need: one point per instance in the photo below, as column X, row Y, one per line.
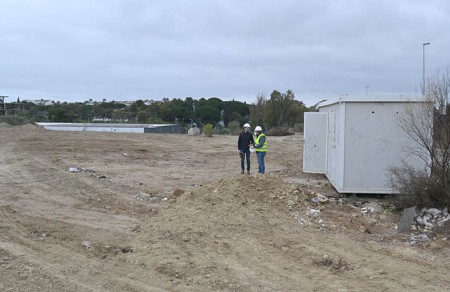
column 258, row 111
column 428, row 127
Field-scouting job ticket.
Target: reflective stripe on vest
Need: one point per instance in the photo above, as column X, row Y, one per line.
column 264, row 146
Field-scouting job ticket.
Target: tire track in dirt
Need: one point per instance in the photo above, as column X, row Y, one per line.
column 67, row 190
column 31, row 212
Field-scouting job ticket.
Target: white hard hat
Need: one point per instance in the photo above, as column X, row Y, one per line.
column 258, row 129
column 247, row 125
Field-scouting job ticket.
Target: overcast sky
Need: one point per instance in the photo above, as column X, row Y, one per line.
column 74, row 50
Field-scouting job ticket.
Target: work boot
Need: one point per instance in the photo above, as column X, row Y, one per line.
column 242, row 172
column 248, row 171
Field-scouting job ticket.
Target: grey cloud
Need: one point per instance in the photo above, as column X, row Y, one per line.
column 230, row 49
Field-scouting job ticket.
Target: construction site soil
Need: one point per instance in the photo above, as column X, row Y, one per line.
column 86, row 211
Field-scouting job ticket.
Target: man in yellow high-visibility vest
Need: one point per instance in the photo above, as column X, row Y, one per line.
column 261, row 148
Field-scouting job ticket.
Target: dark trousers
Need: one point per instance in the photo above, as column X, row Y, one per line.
column 245, row 153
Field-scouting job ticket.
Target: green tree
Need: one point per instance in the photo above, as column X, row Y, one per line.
column 235, row 111
column 258, row 111
column 278, row 108
column 58, row 113
column 207, row 114
column 142, row 116
column 137, row 106
column 296, row 113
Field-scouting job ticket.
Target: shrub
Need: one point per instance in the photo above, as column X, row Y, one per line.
column 234, row 127
column 221, row 131
column 209, row 130
column 14, row 120
column 417, row 188
column 280, row 131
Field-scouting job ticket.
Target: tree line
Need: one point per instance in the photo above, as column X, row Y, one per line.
column 279, row 110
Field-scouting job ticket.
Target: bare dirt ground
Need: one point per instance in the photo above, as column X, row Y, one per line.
column 172, row 213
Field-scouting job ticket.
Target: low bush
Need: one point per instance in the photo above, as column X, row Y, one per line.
column 234, row 127
column 14, row 121
column 209, row 130
column 417, row 188
column 280, row 131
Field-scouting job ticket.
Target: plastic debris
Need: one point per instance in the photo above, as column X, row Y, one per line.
column 319, row 198
column 313, row 212
column 76, row 169
column 368, row 210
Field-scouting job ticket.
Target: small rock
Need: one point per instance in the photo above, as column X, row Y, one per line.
column 86, row 244
column 406, row 220
column 315, row 200
column 357, row 203
column 313, row 212
column 443, row 221
column 434, row 212
column 428, row 224
column 419, row 238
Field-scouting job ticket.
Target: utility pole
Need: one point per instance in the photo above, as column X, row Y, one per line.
column 423, row 68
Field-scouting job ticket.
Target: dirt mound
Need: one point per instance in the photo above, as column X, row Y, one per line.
column 246, row 193
column 4, row 125
column 30, row 126
column 225, row 221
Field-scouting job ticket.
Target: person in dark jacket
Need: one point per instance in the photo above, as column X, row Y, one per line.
column 244, row 142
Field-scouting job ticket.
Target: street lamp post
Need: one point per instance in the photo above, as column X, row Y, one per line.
column 423, row 67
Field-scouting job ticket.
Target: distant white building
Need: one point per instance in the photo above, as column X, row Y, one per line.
column 114, row 128
column 41, row 102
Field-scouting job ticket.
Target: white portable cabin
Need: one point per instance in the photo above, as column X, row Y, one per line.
column 355, row 141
